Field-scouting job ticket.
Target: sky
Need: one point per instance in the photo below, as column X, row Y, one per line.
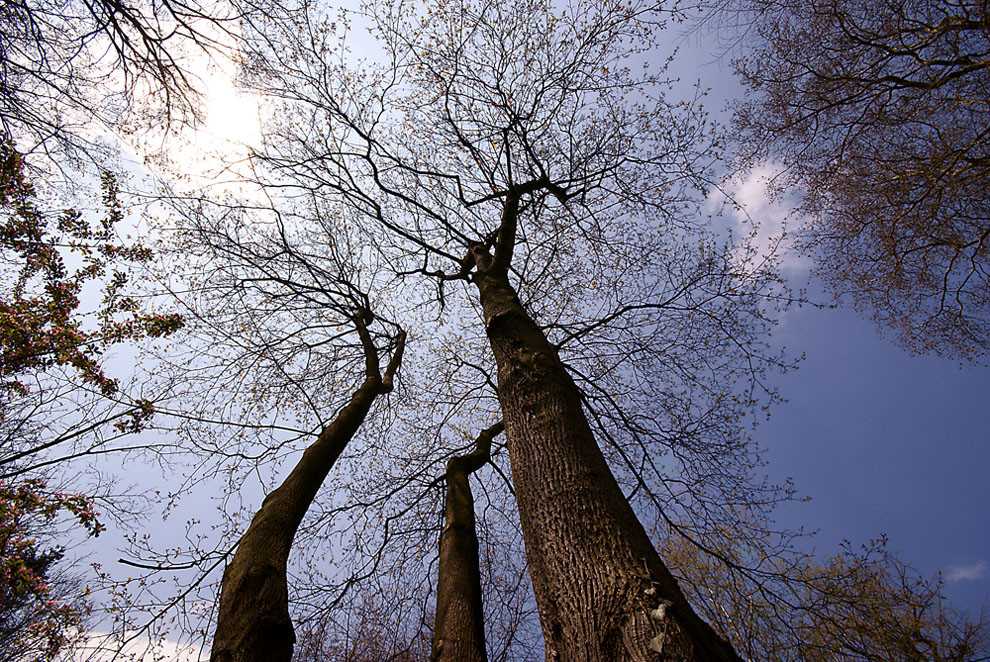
column 886, row 443
column 883, row 442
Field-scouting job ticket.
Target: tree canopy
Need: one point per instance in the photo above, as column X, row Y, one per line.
column 56, row 401
column 879, row 114
column 462, row 360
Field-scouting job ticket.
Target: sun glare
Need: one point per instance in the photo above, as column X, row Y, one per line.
column 231, row 114
column 212, row 153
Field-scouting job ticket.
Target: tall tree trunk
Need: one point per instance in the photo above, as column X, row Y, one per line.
column 253, row 624
column 459, row 633
column 604, row 594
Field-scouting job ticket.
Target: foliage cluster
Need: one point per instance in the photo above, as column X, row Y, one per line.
column 47, row 260
column 51, row 262
column 37, row 619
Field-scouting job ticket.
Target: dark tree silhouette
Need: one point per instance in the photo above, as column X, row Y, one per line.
column 253, row 620
column 459, row 630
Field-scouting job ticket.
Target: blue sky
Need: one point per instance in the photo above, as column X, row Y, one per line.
column 885, row 443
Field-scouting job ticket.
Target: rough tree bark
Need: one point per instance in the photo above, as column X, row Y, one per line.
column 253, row 624
column 604, row 594
column 459, row 633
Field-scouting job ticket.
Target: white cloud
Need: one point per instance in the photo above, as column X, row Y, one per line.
column 973, row 571
column 100, row 647
column 765, row 224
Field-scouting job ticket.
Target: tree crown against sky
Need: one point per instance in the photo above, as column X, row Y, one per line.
column 43, row 323
column 40, row 608
column 51, row 339
column 409, row 166
column 69, row 73
column 57, row 402
column 412, row 158
column 587, row 269
column 72, row 72
column 859, row 604
column 879, row 114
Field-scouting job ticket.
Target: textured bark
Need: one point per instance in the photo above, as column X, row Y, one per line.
column 602, row 590
column 459, row 633
column 253, row 623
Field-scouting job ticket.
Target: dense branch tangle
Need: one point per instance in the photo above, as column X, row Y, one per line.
column 522, row 157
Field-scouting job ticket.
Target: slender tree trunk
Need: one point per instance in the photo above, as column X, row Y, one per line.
column 604, row 594
column 459, row 634
column 253, row 624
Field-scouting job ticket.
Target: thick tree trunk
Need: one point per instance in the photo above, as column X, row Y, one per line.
column 459, row 633
column 253, row 623
column 604, row 594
